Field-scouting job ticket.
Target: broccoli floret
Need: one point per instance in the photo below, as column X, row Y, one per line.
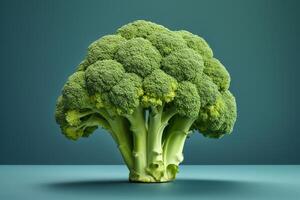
column 149, row 87
column 217, row 72
column 103, row 75
column 183, row 64
column 125, row 95
column 139, row 56
column 167, row 41
column 196, row 43
column 159, row 87
column 140, row 28
column 104, row 48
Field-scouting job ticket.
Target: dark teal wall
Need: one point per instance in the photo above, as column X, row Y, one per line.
column 258, row 41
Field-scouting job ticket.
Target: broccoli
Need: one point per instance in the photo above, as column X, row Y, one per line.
column 150, row 88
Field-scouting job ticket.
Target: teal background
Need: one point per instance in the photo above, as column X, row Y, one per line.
column 258, row 41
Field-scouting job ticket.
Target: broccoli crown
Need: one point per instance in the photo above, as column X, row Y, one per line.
column 147, row 65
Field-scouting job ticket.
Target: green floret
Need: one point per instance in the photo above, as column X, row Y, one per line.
column 72, row 132
column 212, row 106
column 73, row 117
column 149, row 87
column 140, row 28
column 159, row 87
column 197, row 43
column 218, row 109
column 210, row 117
column 104, row 48
column 217, row 72
column 74, row 123
column 207, row 90
column 60, row 111
column 125, row 95
column 187, row 100
column 74, row 92
column 83, row 65
column 103, row 75
column 231, row 113
column 183, row 64
column 86, row 126
column 218, row 119
column 167, row 42
column 75, row 110
column 139, row 56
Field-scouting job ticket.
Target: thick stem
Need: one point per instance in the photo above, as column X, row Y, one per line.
column 155, row 165
column 175, row 139
column 158, row 120
column 123, row 139
column 174, row 147
column 155, row 136
column 168, row 114
column 139, row 131
column 118, row 128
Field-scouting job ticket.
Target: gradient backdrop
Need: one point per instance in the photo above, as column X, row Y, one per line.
column 43, row 41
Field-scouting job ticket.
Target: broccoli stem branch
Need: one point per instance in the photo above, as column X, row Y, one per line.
column 168, row 114
column 139, row 131
column 154, row 139
column 122, row 137
column 154, row 146
column 118, row 127
column 175, row 139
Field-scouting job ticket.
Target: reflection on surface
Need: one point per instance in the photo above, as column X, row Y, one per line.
column 180, row 187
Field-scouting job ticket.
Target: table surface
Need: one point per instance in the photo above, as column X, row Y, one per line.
column 76, row 182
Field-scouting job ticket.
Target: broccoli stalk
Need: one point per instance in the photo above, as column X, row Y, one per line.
column 139, row 133
column 175, row 139
column 120, row 133
column 149, row 87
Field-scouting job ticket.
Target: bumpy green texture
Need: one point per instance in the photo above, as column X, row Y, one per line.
column 149, row 87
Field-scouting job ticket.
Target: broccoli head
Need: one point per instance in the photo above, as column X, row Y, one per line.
column 149, row 87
